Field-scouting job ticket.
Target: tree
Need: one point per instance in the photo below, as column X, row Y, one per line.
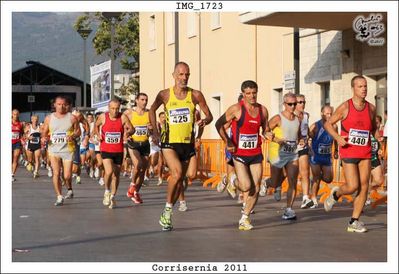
column 126, row 39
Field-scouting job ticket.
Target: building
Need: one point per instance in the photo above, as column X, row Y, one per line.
column 36, row 85
column 315, row 54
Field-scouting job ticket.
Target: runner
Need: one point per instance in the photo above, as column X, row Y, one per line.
column 178, row 141
column 33, row 133
column 81, row 143
column 161, row 160
column 61, row 127
column 247, row 118
column 377, row 170
column 303, row 152
column 113, row 125
column 283, row 155
column 320, row 160
column 357, row 118
column 138, row 145
column 17, row 132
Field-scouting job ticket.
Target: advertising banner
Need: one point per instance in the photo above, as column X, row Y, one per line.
column 100, row 76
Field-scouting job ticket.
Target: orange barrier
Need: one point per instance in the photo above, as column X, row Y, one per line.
column 212, row 167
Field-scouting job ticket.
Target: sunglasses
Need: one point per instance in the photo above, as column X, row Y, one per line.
column 301, row 102
column 291, row 104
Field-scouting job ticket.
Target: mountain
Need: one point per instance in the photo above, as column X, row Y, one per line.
column 49, row 38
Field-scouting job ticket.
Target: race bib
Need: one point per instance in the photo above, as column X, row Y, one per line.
column 15, row 136
column 358, row 137
column 59, row 138
column 35, row 140
column 324, row 149
column 112, row 137
column 374, row 147
column 289, row 147
column 248, row 141
column 179, row 116
column 140, row 131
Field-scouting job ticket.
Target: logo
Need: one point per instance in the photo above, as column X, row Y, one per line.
column 179, row 111
column 359, row 133
column 248, row 137
column 369, row 28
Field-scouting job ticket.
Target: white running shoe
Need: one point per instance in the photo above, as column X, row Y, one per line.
column 160, row 181
column 97, row 173
column 91, row 173
column 263, row 188
column 101, row 181
column 69, row 194
column 183, row 206
column 289, row 214
column 49, row 172
column 59, row 201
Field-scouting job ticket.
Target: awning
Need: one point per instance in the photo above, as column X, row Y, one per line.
column 313, row 20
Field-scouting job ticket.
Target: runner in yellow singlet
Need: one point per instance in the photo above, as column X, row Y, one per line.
column 138, row 145
column 177, row 142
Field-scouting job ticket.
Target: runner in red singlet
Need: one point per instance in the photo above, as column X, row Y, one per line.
column 247, row 118
column 357, row 118
column 17, row 131
column 113, row 127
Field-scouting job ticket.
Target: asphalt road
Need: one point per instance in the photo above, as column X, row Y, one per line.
column 83, row 230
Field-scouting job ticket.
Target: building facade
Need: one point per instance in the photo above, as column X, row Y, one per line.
column 315, row 54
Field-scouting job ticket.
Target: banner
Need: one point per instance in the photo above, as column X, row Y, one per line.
column 100, row 84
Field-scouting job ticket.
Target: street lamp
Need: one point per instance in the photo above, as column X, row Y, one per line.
column 84, row 33
column 111, row 17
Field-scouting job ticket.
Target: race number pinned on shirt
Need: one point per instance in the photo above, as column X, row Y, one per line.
column 15, row 136
column 374, row 147
column 59, row 137
column 35, row 140
column 289, row 147
column 140, row 131
column 112, row 137
column 248, row 141
column 324, row 149
column 179, row 116
column 358, row 137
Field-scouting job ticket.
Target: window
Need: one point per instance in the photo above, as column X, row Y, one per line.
column 170, row 28
column 215, row 20
column 325, row 94
column 151, row 33
column 191, row 24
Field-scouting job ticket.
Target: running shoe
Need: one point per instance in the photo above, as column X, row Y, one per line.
column 183, row 206
column 112, row 202
column 245, row 224
column 231, row 189
column 136, row 198
column 59, row 201
column 97, row 173
column 13, row 178
column 107, row 198
column 222, row 184
column 289, row 214
column 91, row 173
column 330, row 201
column 131, row 190
column 49, row 172
column 263, row 188
column 29, row 167
column 160, row 181
column 69, row 194
column 357, row 226
column 277, row 193
column 101, row 181
column 306, row 203
column 78, row 180
column 166, row 219
column 35, row 174
column 315, row 204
